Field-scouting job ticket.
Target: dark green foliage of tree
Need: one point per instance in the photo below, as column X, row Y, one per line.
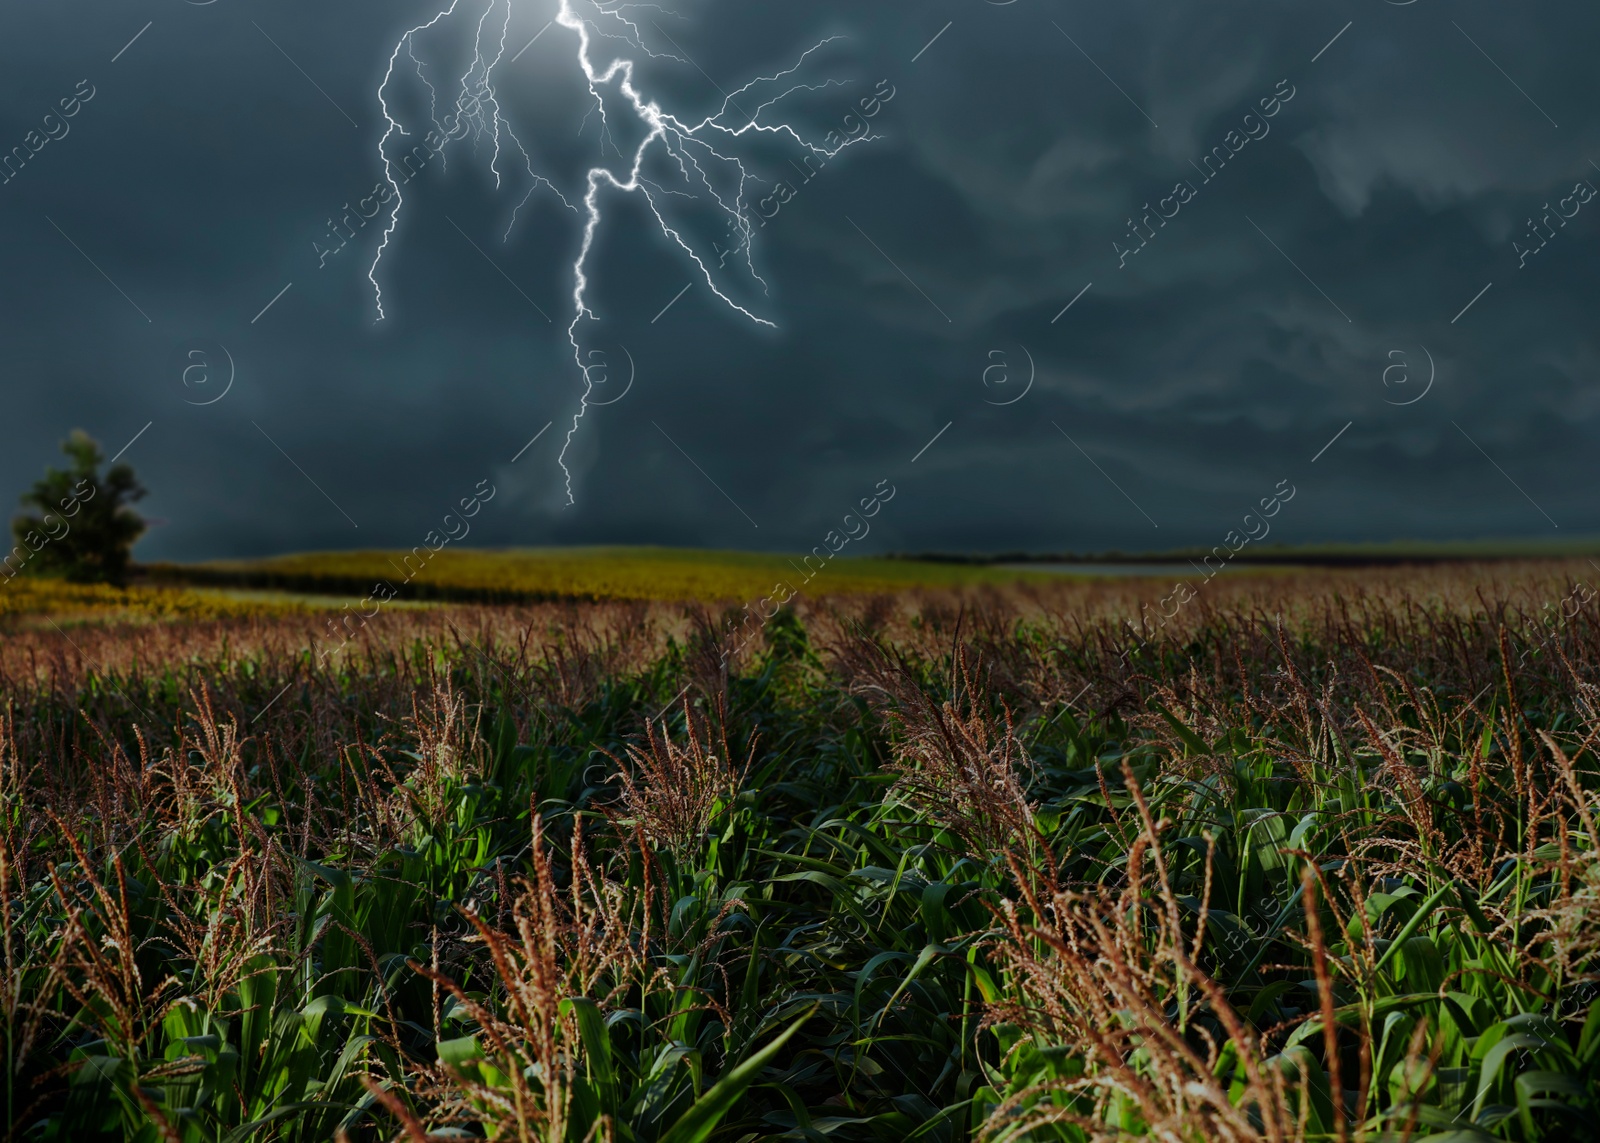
column 82, row 526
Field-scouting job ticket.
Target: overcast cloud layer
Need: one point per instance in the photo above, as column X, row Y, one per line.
column 1386, row 164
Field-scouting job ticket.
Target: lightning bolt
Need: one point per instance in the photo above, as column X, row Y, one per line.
column 700, row 156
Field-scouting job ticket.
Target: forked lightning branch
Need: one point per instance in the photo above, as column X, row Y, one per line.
column 682, row 168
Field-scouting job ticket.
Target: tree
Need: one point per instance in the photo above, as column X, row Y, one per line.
column 84, row 527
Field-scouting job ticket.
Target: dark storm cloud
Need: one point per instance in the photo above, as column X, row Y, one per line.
column 1020, row 160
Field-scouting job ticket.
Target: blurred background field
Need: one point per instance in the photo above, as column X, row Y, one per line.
column 297, row 585
column 515, row 575
column 184, row 614
column 33, row 599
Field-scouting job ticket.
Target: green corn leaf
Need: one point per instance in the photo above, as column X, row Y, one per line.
column 1193, row 744
column 702, row 1119
column 596, row 1046
column 243, row 1132
column 1414, row 923
column 1494, row 1061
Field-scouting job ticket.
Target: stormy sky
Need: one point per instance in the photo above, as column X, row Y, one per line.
column 1069, row 276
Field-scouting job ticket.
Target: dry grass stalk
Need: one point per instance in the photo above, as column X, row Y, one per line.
column 588, row 941
column 448, row 748
column 1116, row 978
column 674, row 790
column 953, row 760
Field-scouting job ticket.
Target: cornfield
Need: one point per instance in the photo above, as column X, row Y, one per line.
column 1316, row 860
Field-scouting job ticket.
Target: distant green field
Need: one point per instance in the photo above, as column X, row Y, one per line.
column 523, row 574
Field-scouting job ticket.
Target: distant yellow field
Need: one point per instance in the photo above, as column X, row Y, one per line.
column 28, row 596
column 582, row 573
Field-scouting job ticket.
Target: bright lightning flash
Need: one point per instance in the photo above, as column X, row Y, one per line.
column 700, row 157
